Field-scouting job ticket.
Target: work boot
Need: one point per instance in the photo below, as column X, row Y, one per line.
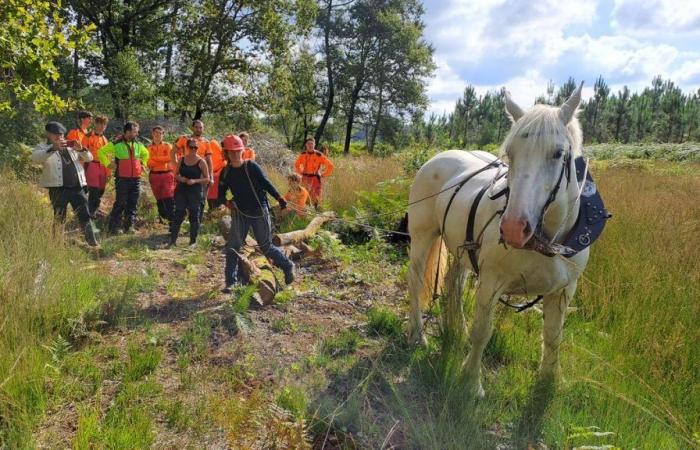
column 289, row 273
column 90, row 234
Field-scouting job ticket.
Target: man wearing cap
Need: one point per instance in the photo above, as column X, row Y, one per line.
column 128, row 157
column 249, row 185
column 63, row 175
column 161, row 175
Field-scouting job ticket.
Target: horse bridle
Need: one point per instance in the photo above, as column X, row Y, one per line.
column 539, row 241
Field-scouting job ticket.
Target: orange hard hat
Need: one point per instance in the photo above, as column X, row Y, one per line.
column 233, row 143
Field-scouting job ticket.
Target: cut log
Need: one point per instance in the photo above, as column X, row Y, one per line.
column 307, row 251
column 265, row 280
column 294, row 237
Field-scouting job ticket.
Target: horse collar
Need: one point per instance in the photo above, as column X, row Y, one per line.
column 592, row 214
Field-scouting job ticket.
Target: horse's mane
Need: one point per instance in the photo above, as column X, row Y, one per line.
column 538, row 126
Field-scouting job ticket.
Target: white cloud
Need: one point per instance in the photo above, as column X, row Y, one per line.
column 650, row 17
column 522, row 45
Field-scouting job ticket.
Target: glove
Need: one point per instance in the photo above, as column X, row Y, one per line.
column 283, row 203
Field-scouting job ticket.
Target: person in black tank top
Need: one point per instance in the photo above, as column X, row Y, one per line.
column 191, row 176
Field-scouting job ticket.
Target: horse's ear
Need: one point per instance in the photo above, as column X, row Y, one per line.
column 568, row 109
column 512, row 109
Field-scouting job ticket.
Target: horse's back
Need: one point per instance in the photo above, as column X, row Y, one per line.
column 440, row 174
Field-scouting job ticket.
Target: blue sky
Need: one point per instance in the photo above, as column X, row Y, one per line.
column 523, row 44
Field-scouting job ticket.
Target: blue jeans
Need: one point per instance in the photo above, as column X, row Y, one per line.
column 262, row 231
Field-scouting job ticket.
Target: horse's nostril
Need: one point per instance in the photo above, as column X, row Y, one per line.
column 528, row 228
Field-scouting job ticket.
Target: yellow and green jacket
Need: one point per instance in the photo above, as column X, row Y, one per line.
column 131, row 158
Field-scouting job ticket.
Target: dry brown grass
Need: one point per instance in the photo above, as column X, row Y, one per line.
column 351, row 175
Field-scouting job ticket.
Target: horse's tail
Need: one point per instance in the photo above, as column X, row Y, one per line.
column 434, row 276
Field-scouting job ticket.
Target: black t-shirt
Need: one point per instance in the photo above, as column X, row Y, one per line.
column 70, row 172
column 245, row 197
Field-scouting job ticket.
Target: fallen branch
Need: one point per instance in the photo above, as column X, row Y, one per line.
column 294, row 237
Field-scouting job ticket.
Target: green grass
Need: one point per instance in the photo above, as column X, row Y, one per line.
column 384, row 322
column 343, row 344
column 47, row 288
column 630, row 359
column 143, row 359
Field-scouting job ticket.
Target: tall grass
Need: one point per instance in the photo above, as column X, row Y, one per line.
column 44, row 285
column 640, row 300
column 351, row 176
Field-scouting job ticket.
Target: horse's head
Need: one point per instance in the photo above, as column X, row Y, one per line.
column 539, row 148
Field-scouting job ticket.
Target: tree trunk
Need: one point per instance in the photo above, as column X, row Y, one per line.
column 76, row 60
column 351, row 116
column 373, row 139
column 329, row 74
column 169, row 55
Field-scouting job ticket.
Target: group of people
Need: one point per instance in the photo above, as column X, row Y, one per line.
column 186, row 177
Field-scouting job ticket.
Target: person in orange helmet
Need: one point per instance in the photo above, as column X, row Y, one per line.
column 313, row 165
column 95, row 173
column 160, row 174
column 250, row 209
column 248, row 154
column 211, row 151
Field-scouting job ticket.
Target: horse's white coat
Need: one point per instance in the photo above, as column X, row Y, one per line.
column 532, row 146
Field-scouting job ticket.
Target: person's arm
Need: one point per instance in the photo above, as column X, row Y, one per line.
column 143, row 155
column 84, row 154
column 41, row 153
column 299, row 164
column 206, row 177
column 210, row 165
column 265, row 183
column 179, row 178
column 223, row 186
column 105, row 154
column 327, row 167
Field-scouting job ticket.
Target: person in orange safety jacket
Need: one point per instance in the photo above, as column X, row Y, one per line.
column 95, row 173
column 84, row 122
column 313, row 165
column 248, row 154
column 160, row 175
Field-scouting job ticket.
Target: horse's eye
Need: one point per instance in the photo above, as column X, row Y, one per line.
column 558, row 154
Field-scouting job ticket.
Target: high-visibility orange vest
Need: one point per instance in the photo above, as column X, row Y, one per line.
column 76, row 134
column 297, row 199
column 311, row 163
column 93, row 142
column 159, row 157
column 248, row 154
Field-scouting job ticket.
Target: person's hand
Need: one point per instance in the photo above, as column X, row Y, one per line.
column 283, row 203
column 78, row 146
column 190, row 181
column 118, row 138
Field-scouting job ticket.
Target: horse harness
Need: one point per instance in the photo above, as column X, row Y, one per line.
column 588, row 227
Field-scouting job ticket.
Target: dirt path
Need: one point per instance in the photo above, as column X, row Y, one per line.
column 188, row 368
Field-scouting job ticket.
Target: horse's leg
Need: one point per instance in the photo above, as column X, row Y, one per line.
column 554, row 310
column 421, row 244
column 482, row 327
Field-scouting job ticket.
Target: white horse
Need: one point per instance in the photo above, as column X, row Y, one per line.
column 542, row 206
